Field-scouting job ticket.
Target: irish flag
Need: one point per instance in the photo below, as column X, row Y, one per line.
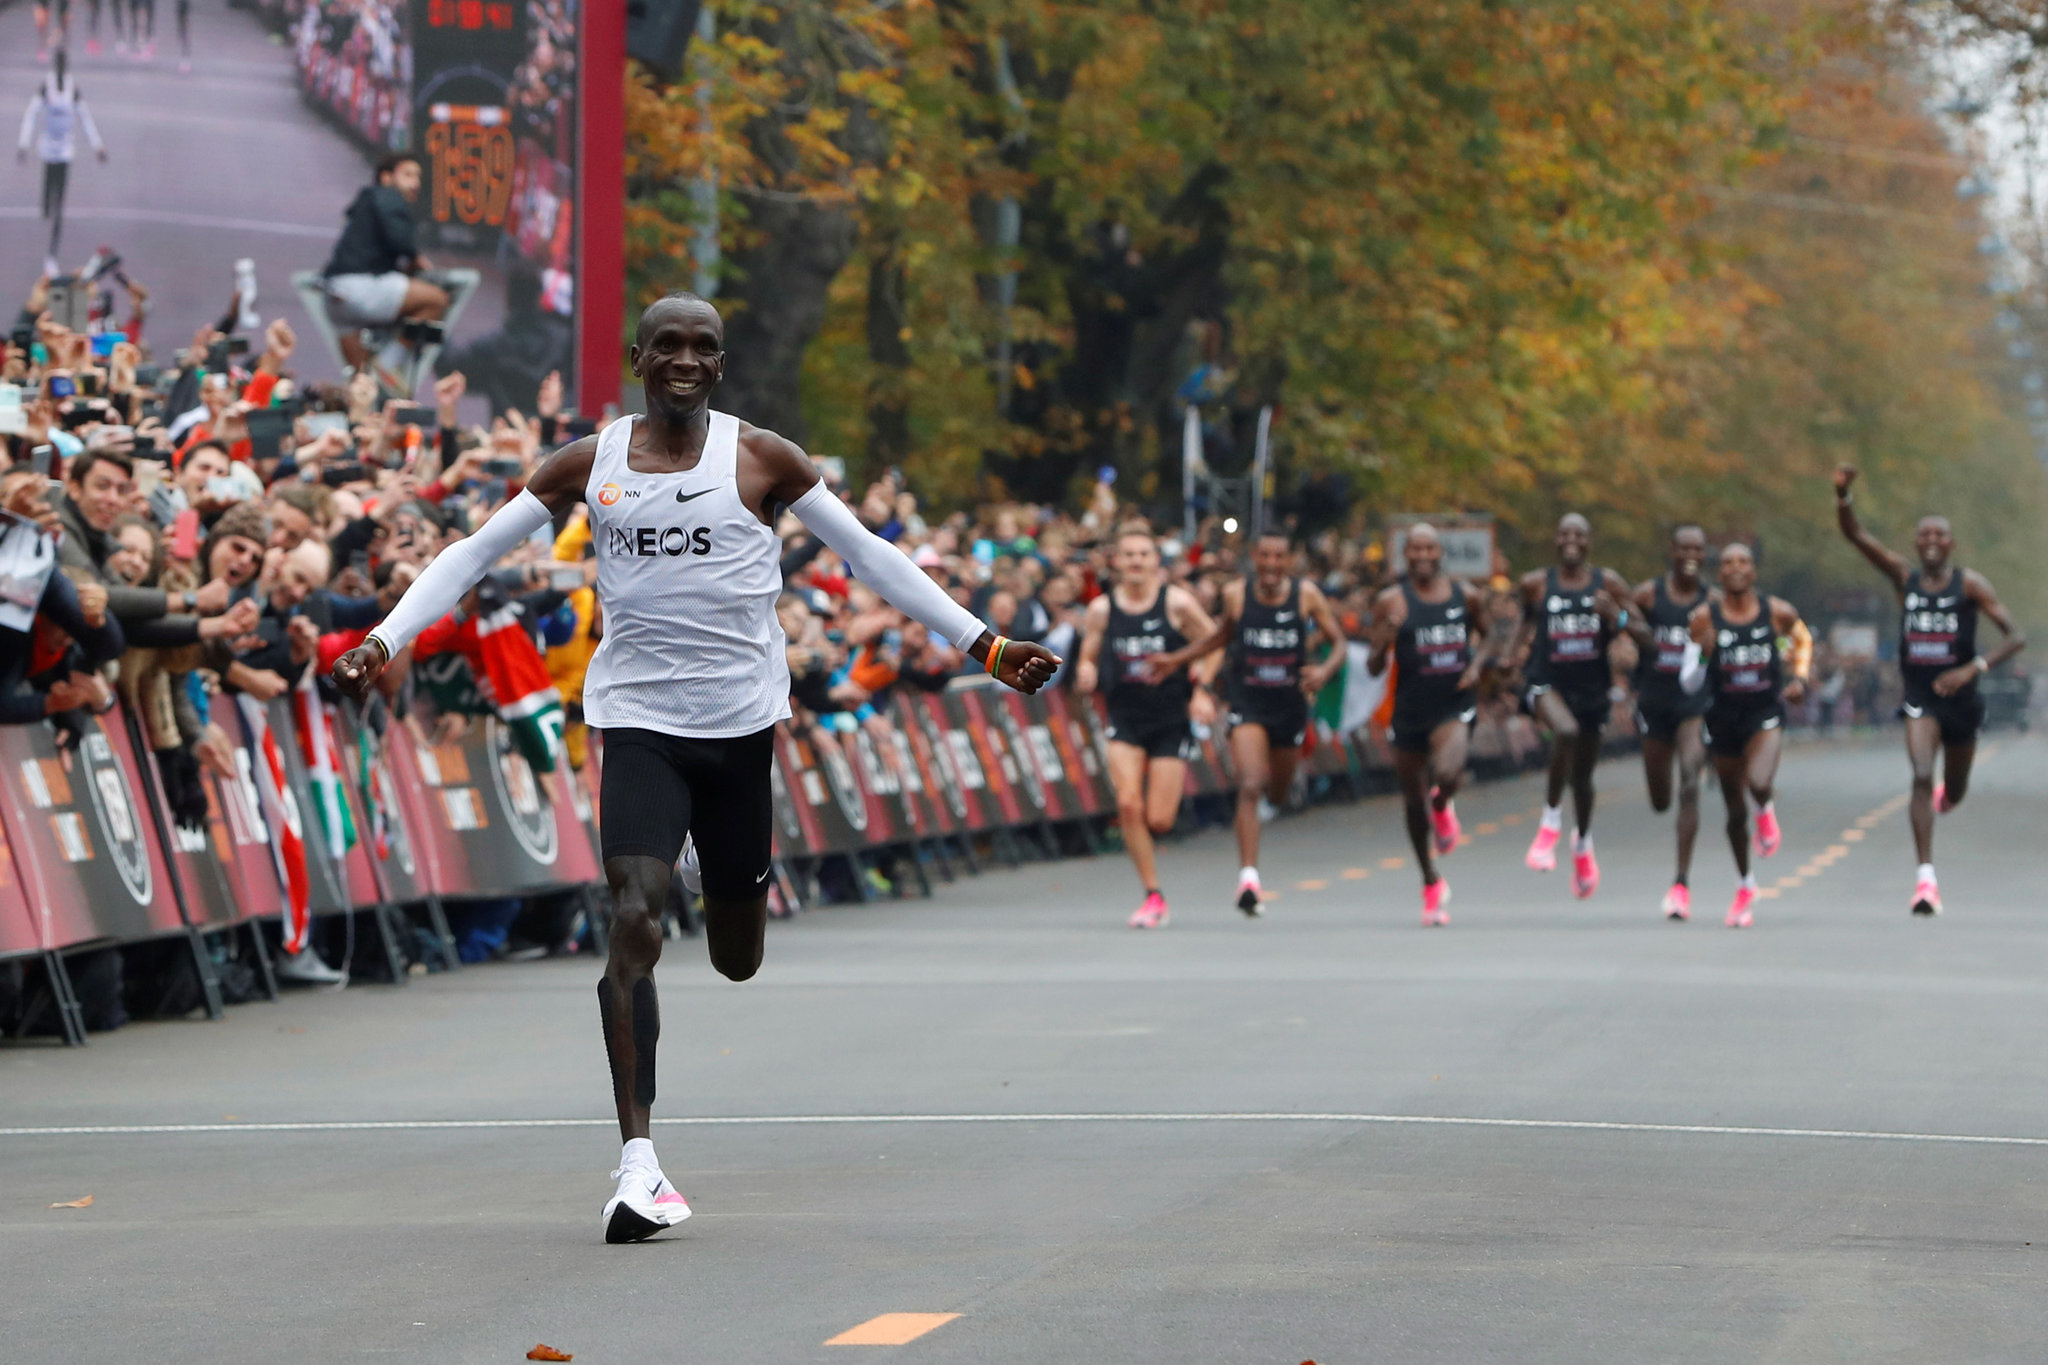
column 281, row 813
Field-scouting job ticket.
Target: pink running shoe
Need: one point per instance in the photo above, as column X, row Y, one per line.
column 1741, row 912
column 1435, row 897
column 1585, row 875
column 644, row 1205
column 1941, row 806
column 1448, row 830
column 1150, row 915
column 1542, row 854
column 1767, row 833
column 1678, row 901
column 1926, row 897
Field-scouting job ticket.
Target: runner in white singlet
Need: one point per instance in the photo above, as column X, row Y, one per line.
column 691, row 677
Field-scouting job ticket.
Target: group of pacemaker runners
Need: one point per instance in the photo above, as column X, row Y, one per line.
column 1717, row 665
column 690, row 681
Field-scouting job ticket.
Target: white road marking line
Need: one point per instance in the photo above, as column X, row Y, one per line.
column 836, row 1120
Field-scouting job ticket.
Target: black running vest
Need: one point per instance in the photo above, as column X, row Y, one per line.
column 1745, row 664
column 1133, row 637
column 1937, row 631
column 1271, row 644
column 1670, row 623
column 1433, row 648
column 1571, row 637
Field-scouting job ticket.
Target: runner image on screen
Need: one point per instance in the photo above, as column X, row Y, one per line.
column 1667, row 716
column 1570, row 613
column 1124, row 631
column 690, row 678
column 56, row 114
column 1939, row 666
column 1425, row 626
column 1736, row 660
column 1268, row 685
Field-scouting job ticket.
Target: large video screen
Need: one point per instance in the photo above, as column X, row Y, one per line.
column 242, row 132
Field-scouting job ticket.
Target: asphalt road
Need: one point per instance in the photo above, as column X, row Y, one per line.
column 204, row 167
column 1556, row 1131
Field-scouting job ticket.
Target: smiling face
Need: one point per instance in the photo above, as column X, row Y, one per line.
column 133, row 553
column 1688, row 552
column 1574, row 540
column 1425, row 555
column 1934, row 542
column 1738, row 569
column 679, row 355
column 236, row 559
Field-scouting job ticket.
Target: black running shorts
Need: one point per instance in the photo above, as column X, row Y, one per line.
column 1659, row 721
column 1282, row 712
column 659, row 787
column 1159, row 736
column 1730, row 728
column 1417, row 718
column 1960, row 716
column 1590, row 709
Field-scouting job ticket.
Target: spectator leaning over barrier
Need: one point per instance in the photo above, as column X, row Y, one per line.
column 98, row 488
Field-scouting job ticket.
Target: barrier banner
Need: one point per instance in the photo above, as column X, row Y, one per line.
column 954, row 760
column 494, row 826
column 88, row 863
column 202, row 875
column 239, row 840
column 796, row 827
column 924, row 806
column 1081, row 753
column 1048, row 778
column 383, row 823
column 918, row 738
column 823, row 781
column 21, row 928
column 890, row 820
column 968, row 726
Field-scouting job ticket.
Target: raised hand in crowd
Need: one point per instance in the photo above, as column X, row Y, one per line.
column 263, row 684
column 304, row 638
column 279, row 341
column 549, row 403
column 448, row 392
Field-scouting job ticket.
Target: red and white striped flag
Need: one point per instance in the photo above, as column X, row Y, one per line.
column 281, row 813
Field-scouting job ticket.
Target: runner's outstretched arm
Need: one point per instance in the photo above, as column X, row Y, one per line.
column 875, row 562
column 1890, row 564
column 557, row 485
column 1316, row 603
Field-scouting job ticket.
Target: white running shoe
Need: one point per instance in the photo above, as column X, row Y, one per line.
column 306, row 968
column 644, row 1204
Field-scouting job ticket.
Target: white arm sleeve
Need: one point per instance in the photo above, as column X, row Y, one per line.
column 1692, row 674
column 883, row 567
column 454, row 571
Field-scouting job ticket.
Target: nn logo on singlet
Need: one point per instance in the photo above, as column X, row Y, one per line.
column 648, row 542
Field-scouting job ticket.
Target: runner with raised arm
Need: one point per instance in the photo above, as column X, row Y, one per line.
column 1570, row 613
column 1939, row 664
column 1737, row 660
column 1426, row 624
column 1268, row 682
column 1667, row 716
column 1143, row 617
column 690, row 679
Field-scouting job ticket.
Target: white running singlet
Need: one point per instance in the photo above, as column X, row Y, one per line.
column 688, row 577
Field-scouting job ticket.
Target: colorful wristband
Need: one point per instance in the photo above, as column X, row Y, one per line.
column 995, row 655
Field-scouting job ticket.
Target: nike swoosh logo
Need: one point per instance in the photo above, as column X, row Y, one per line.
column 764, row 875
column 1914, row 711
column 691, row 497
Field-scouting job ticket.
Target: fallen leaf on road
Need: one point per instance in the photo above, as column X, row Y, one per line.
column 548, row 1353
column 84, row 1203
